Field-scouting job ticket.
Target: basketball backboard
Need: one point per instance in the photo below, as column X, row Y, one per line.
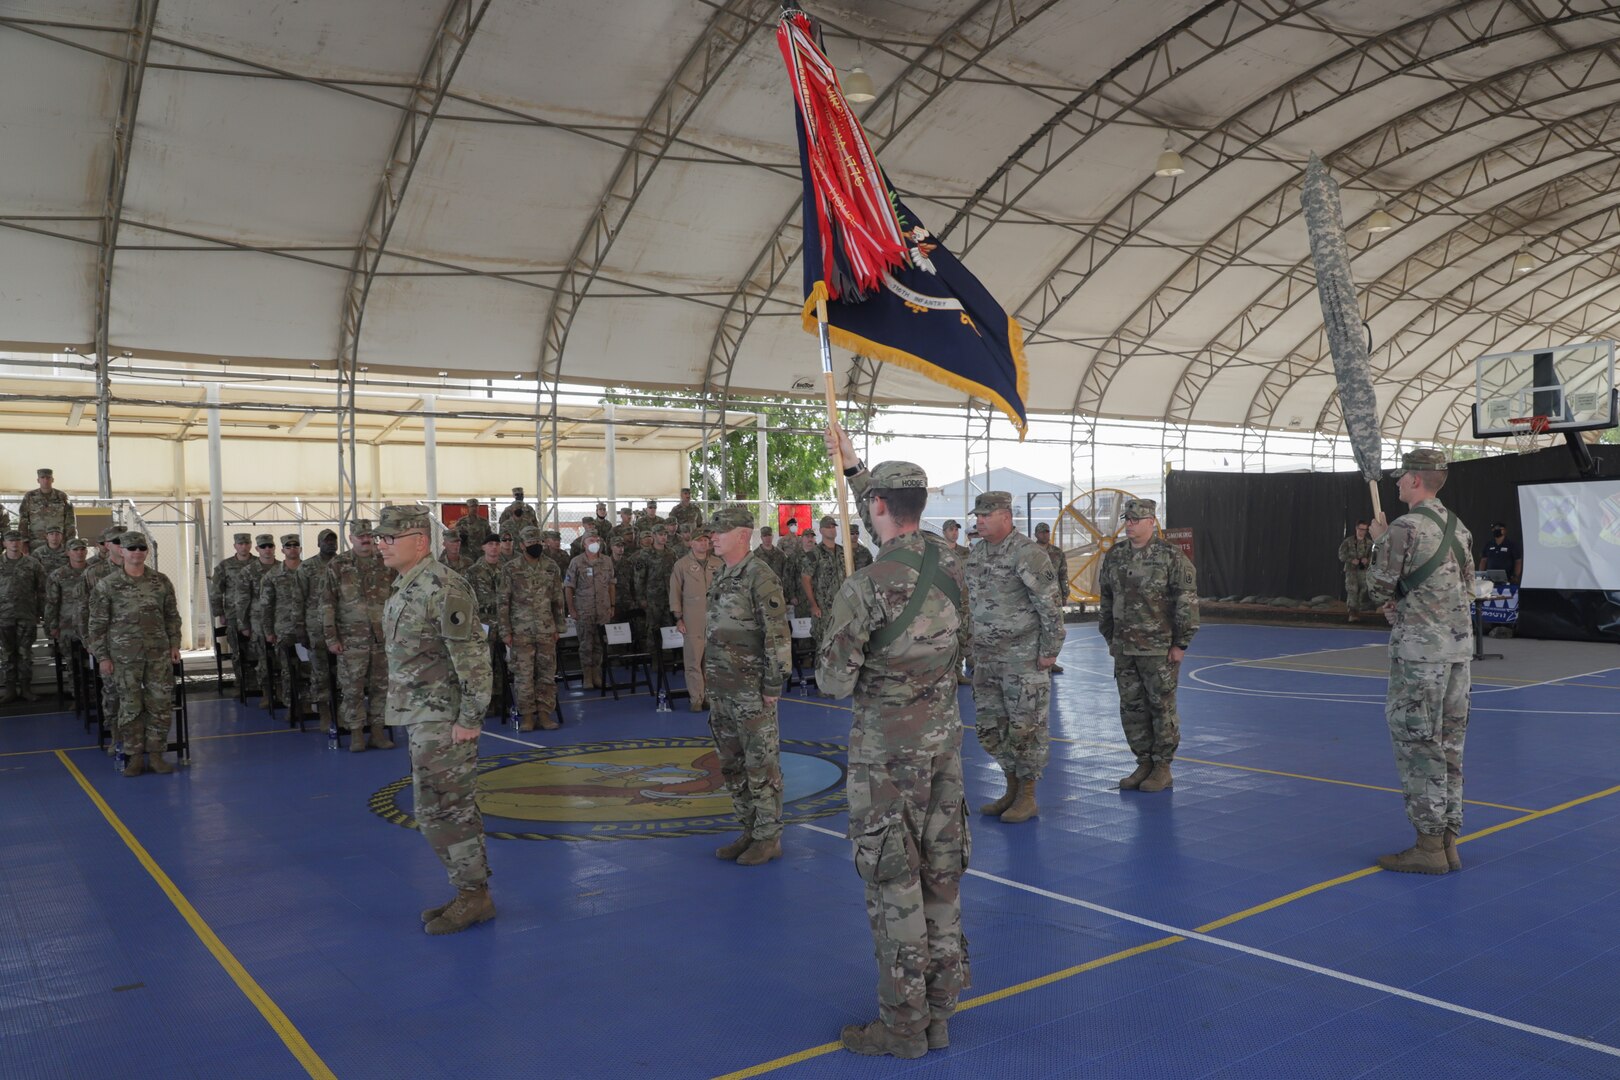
column 1572, row 386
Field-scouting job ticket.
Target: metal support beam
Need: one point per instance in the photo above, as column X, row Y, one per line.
column 762, row 463
column 610, row 441
column 216, row 473
column 430, row 464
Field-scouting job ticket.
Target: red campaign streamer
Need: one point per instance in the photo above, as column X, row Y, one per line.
column 851, row 195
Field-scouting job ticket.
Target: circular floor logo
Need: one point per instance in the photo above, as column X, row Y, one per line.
column 628, row 789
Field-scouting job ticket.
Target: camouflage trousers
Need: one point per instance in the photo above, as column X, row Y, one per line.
column 264, row 665
column 242, row 665
column 748, row 740
column 319, row 687
column 444, row 789
column 290, row 671
column 533, row 664
column 1147, row 706
column 1011, row 702
column 362, row 681
column 16, row 654
column 908, row 825
column 1427, row 710
column 1355, row 591
column 590, row 647
column 145, row 702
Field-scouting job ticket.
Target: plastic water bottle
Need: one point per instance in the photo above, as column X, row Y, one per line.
column 120, row 759
column 663, row 701
column 332, row 735
column 512, row 715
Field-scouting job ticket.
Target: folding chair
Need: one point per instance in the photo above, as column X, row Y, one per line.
column 618, row 647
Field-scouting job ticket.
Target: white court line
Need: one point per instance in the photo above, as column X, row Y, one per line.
column 1288, row 961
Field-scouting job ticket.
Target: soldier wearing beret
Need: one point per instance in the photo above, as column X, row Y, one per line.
column 439, row 685
column 134, row 633
column 22, row 602
column 1017, row 632
column 1148, row 614
column 282, row 614
column 1422, row 575
column 44, row 507
column 529, row 611
column 747, row 658
column 354, row 590
column 689, row 582
column 898, row 656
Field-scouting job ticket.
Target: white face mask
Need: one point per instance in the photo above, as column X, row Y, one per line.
column 593, row 547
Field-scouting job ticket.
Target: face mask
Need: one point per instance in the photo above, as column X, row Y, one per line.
column 593, row 548
column 1499, row 534
column 535, row 550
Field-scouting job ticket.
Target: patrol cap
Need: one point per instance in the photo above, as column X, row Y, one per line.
column 988, row 502
column 472, row 502
column 132, row 539
column 325, row 535
column 1137, row 509
column 12, row 534
column 43, row 472
column 899, row 474
column 77, row 544
column 111, row 534
column 264, row 540
column 551, row 534
column 731, row 517
column 402, row 517
column 828, row 519
column 1043, row 527
column 766, row 530
column 703, row 532
column 52, row 529
column 1423, row 459
column 291, row 540
column 530, row 535
column 451, row 537
column 685, row 530
column 952, row 524
column 517, row 492
column 625, row 511
column 360, row 527
column 243, row 538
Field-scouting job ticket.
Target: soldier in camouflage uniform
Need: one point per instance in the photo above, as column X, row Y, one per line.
column 1148, row 613
column 530, row 611
column 553, row 544
column 1060, row 567
column 863, row 554
column 486, row 577
column 793, row 571
column 473, row 527
column 600, row 520
column 282, row 614
column 678, row 538
column 625, row 599
column 656, row 568
column 244, row 601
column 1355, row 555
column 22, row 602
column 111, row 562
column 747, row 659
column 355, row 589
column 821, row 574
column 951, row 530
column 1422, row 575
column 134, row 632
column 686, row 513
column 52, row 554
column 772, row 556
column 452, row 555
column 509, row 548
column 42, row 508
column 219, row 600
column 1017, row 632
column 311, row 582
column 439, row 684
column 587, row 532
column 689, row 582
column 907, row 820
column 65, row 597
column 517, row 514
column 625, row 530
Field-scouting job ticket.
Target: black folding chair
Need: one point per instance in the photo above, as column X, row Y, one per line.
column 667, row 661
column 630, row 657
column 180, row 743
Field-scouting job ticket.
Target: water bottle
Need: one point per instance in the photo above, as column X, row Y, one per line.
column 120, row 759
column 332, row 735
column 663, row 700
column 512, row 715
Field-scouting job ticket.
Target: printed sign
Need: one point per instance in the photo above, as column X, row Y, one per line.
column 800, row 627
column 1502, row 609
column 1183, row 539
column 618, row 633
column 570, row 630
column 673, row 638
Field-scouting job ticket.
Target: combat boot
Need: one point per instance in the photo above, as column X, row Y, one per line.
column 939, row 1034
column 1158, row 779
column 1023, row 808
column 1056, row 669
column 1134, row 781
column 997, row 808
column 469, row 908
column 135, row 765
column 379, row 737
column 357, row 740
column 155, row 762
column 323, row 712
column 1452, row 861
column 526, row 722
column 429, row 914
column 761, row 852
column 734, row 849
column 1427, row 856
column 548, row 722
column 874, row 1039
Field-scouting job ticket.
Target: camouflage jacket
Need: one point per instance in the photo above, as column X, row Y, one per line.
column 281, row 604
column 219, row 583
column 312, row 578
column 1012, row 589
column 438, row 662
column 485, row 578
column 353, row 594
column 905, row 696
column 22, row 589
column 39, row 510
column 244, row 596
column 863, row 556
column 1148, row 599
column 774, row 558
column 521, row 513
column 625, row 534
column 825, row 568
column 687, row 514
column 689, row 585
column 626, row 596
column 64, row 602
column 1432, row 621
column 749, row 650
column 657, row 567
column 461, row 564
column 1060, row 567
column 473, row 530
column 1352, row 552
column 529, row 601
column 52, row 559
column 592, row 583
column 559, row 558
column 93, row 573
column 132, row 618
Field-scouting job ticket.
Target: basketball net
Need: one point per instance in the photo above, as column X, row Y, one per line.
column 1526, row 430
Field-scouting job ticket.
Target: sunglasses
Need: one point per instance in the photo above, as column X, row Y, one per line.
column 137, row 547
column 292, row 545
column 267, row 547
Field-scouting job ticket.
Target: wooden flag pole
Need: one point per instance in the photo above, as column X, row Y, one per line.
column 1378, row 509
column 838, row 456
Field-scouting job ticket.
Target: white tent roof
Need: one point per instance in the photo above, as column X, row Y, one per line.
column 606, row 190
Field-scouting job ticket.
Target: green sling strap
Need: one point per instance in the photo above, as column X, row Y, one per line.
column 928, row 578
column 1448, row 543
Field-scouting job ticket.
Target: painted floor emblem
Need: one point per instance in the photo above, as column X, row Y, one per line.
column 628, row 789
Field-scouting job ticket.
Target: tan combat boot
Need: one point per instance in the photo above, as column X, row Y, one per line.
column 1427, row 856
column 1134, row 781
column 874, row 1039
column 548, row 722
column 1023, row 808
column 1158, row 779
column 469, row 908
column 526, row 722
column 429, row 914
column 997, row 808
column 761, row 852
column 379, row 737
column 155, row 762
column 357, row 740
column 732, row 850
column 134, row 766
column 1450, row 838
column 939, row 1034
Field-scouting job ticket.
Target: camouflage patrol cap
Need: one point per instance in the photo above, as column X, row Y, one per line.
column 132, row 539
column 77, row 544
column 988, row 502
column 731, row 517
column 899, row 474
column 325, row 535
column 43, row 472
column 12, row 534
column 702, row 532
column 625, row 511
column 52, row 528
column 242, row 538
column 686, row 529
column 289, row 539
column 111, row 534
column 1423, row 459
column 828, row 519
column 264, row 540
column 551, row 534
column 1043, row 527
column 530, row 535
column 402, row 517
column 1137, row 509
column 360, row 527
column 951, row 524
column 472, row 502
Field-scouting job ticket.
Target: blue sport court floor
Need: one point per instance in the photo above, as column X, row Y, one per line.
column 255, row 915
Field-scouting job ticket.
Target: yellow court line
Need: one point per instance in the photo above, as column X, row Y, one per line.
column 283, row 1027
column 1209, row 927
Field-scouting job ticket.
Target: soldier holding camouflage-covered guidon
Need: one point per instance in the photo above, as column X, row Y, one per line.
column 134, row 633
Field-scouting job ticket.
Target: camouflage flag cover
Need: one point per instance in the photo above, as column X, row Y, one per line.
column 1341, row 315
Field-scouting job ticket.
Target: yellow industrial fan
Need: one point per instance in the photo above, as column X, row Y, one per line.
column 1093, row 524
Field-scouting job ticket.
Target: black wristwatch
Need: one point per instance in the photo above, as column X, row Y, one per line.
column 854, row 470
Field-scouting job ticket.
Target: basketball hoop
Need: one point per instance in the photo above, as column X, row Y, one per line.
column 1525, row 431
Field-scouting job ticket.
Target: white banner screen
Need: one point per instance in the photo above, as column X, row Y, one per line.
column 1571, row 535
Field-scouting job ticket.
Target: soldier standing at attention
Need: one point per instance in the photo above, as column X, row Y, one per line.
column 656, row 570
column 587, row 532
column 821, row 574
column 529, row 612
column 452, row 555
column 863, row 554
column 220, row 590
column 517, row 513
column 485, row 579
column 42, row 508
column 747, row 659
column 625, row 599
column 282, row 614
column 625, row 530
column 771, row 556
column 52, row 554
column 64, row 599
column 111, row 562
column 894, row 639
column 135, row 636
column 686, row 512
column 1060, row 567
column 439, row 685
column 1421, row 574
column 355, row 589
column 245, row 602
column 553, row 543
column 1017, row 632
column 588, row 588
column 1355, row 554
column 472, row 528
column 22, row 601
column 312, row 584
column 951, row 530
column 689, row 583
column 1148, row 613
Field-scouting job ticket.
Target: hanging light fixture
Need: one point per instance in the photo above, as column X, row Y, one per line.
column 1524, row 262
column 1379, row 220
column 858, row 87
column 1169, row 161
